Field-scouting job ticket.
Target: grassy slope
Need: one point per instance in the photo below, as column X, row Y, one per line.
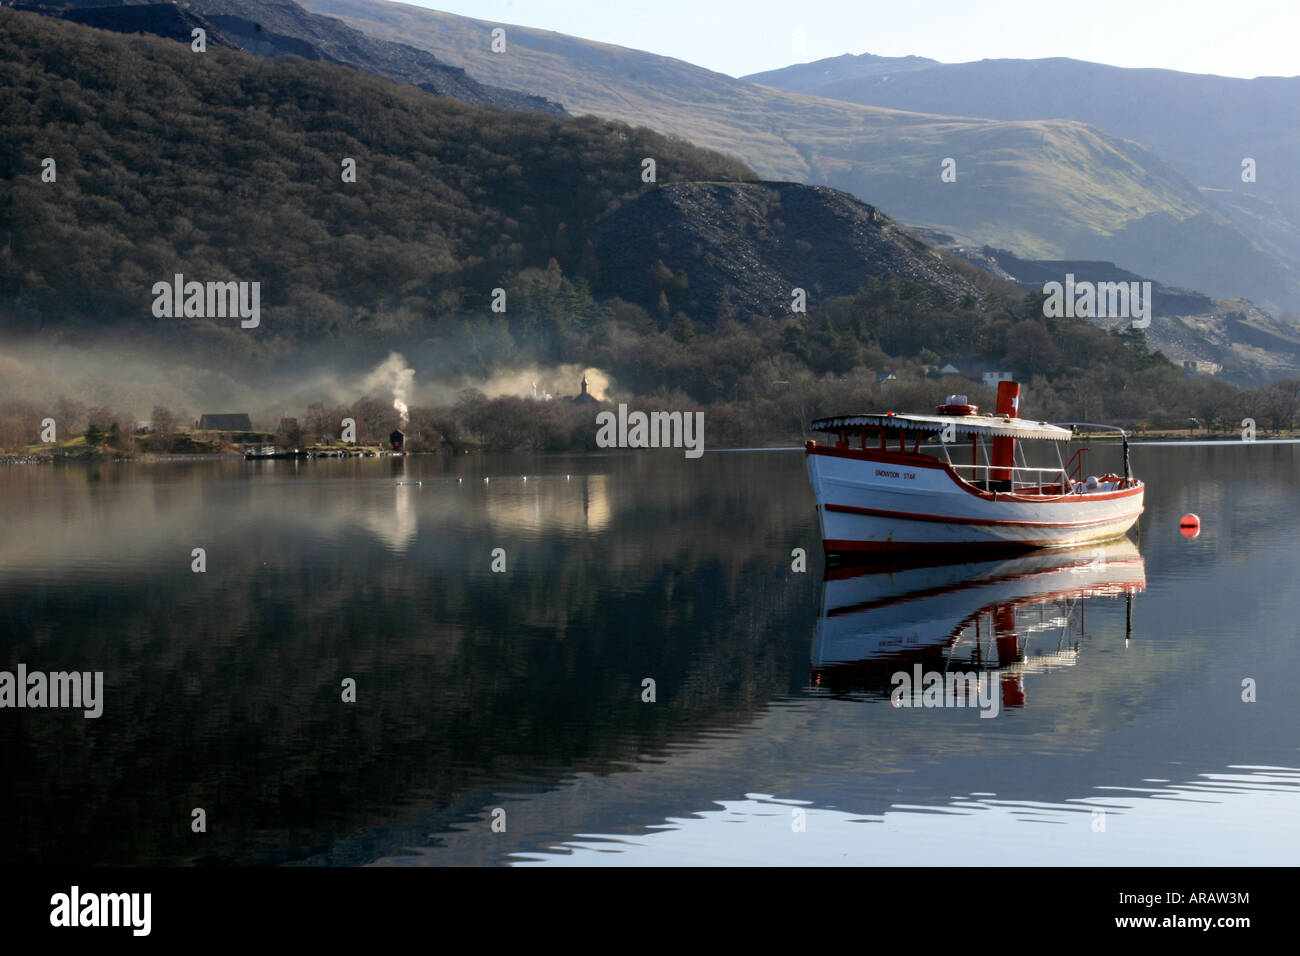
column 1202, row 125
column 1035, row 186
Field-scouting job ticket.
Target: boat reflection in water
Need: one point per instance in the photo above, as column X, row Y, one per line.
column 1000, row 618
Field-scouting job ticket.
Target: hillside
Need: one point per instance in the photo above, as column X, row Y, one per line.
column 451, row 200
column 168, row 20
column 1042, row 188
column 1234, row 337
column 1202, row 125
column 227, row 166
column 741, row 248
column 284, row 28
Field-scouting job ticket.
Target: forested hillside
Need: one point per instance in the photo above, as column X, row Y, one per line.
column 221, row 165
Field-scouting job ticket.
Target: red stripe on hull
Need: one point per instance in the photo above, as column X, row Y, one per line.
column 983, row 522
column 837, row 546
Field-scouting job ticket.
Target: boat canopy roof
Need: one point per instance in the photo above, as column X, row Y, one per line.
column 998, row 425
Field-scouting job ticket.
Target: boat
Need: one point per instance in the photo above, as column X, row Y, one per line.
column 268, row 452
column 878, row 491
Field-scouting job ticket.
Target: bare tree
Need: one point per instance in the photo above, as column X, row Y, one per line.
column 20, row 425
column 70, row 416
column 164, row 421
column 1214, row 401
column 375, row 418
column 1279, row 403
column 317, row 420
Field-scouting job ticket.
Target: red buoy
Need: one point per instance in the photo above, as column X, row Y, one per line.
column 1190, row 525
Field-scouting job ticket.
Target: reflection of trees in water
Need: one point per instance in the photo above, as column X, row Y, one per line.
column 222, row 690
column 581, row 503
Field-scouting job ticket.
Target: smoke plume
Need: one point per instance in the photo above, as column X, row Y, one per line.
column 394, row 374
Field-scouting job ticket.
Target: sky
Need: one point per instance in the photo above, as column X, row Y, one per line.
column 1243, row 38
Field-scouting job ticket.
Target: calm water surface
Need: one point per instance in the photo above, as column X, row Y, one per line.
column 1120, row 733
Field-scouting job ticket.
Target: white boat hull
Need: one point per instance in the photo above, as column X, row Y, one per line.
column 877, row 501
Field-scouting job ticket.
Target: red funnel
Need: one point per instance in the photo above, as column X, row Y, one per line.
column 1004, row 449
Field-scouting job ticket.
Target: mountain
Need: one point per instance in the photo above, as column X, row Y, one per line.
column 741, row 248
column 814, row 77
column 1044, row 188
column 283, row 28
column 471, row 240
column 1233, row 338
column 450, row 202
column 1204, row 126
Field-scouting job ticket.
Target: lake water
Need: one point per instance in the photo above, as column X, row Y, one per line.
column 1115, row 729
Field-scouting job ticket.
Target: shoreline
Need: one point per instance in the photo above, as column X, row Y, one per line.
column 50, row 459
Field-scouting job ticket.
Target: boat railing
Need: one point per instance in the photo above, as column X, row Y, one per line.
column 1074, row 466
column 1128, row 467
column 1063, row 480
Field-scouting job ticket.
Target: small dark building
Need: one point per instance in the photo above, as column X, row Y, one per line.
column 225, row 423
column 396, row 439
column 584, row 397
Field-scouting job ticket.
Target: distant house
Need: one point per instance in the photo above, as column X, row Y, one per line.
column 882, row 377
column 225, row 423
column 950, row 369
column 991, row 379
column 1202, row 368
